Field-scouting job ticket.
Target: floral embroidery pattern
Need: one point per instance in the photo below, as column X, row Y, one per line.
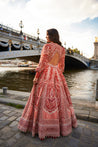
column 49, row 110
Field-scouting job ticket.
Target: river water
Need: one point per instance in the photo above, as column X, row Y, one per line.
column 81, row 83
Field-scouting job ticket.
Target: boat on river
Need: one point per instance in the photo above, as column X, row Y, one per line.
column 23, row 65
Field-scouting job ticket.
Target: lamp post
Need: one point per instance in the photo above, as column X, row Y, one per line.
column 65, row 45
column 21, row 33
column 21, row 26
column 38, row 40
column 38, row 33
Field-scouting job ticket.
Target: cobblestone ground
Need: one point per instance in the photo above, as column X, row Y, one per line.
column 86, row 135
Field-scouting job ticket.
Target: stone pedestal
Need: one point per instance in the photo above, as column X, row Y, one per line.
column 96, row 48
column 10, row 43
column 30, row 46
column 4, row 90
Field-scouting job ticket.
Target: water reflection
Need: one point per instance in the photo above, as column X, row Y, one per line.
column 81, row 83
column 16, row 79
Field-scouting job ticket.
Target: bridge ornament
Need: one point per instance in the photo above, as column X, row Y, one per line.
column 17, row 46
column 10, row 43
column 4, row 44
column 11, row 39
column 31, row 46
column 96, row 39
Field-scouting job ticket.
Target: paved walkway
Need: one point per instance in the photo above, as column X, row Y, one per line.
column 85, row 135
column 85, row 110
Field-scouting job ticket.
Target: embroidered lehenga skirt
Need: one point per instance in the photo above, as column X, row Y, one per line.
column 49, row 110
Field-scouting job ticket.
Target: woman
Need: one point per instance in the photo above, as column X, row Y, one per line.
column 49, row 111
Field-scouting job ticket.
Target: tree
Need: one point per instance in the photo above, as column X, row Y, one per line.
column 76, row 51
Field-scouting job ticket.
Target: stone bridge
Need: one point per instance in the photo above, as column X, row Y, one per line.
column 24, row 46
column 71, row 61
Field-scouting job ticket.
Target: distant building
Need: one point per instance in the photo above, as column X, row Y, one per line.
column 96, row 48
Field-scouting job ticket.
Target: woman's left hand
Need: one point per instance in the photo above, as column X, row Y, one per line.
column 35, row 81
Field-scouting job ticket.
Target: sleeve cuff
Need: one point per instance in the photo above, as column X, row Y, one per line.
column 37, row 75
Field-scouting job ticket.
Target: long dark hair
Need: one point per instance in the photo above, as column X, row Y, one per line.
column 54, row 36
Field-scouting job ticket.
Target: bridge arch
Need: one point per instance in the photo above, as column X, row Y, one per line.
column 73, row 62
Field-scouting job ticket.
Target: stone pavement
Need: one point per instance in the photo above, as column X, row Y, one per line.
column 85, row 135
column 85, row 110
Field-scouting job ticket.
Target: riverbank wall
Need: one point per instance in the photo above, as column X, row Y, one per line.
column 94, row 64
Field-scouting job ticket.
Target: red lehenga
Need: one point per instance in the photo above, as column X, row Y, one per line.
column 49, row 110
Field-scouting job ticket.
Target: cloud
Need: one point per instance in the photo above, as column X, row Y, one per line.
column 70, row 17
column 63, row 11
column 48, row 12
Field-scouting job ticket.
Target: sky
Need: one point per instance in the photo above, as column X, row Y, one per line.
column 75, row 20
